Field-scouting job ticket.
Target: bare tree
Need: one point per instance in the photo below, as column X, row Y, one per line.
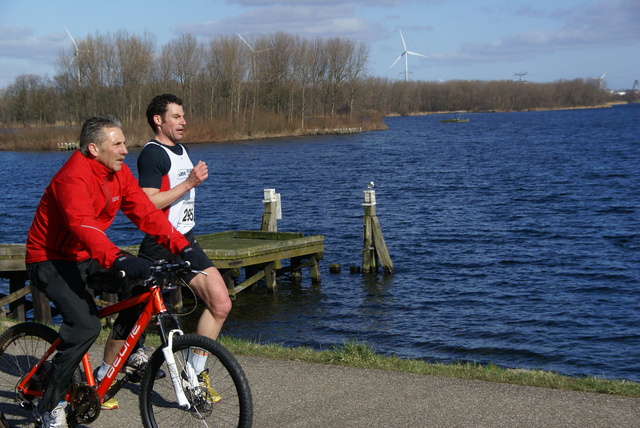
column 337, row 54
column 182, row 61
column 300, row 78
column 30, row 100
column 318, row 66
column 355, row 71
column 135, row 64
column 226, row 66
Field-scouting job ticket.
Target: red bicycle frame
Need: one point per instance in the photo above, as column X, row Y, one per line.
column 154, row 305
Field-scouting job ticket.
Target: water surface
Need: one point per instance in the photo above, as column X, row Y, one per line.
column 515, row 237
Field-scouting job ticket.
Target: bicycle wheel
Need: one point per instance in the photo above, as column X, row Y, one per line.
column 224, row 402
column 21, row 347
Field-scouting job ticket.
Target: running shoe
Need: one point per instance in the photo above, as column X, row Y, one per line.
column 205, row 384
column 57, row 418
column 136, row 365
column 137, row 362
column 212, row 394
column 111, row 403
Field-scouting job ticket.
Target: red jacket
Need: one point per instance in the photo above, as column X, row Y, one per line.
column 80, row 204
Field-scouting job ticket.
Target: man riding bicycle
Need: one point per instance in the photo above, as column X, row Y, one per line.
column 68, row 236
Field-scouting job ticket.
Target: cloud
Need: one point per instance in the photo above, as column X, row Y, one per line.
column 325, row 3
column 608, row 23
column 19, row 43
column 297, row 19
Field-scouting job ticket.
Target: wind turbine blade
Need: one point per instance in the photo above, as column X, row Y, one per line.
column 73, row 41
column 245, row 42
column 394, row 62
column 402, row 37
column 417, row 54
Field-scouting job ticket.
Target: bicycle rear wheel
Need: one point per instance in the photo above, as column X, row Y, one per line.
column 21, row 347
column 224, row 402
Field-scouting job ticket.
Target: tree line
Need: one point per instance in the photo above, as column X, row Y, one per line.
column 266, row 84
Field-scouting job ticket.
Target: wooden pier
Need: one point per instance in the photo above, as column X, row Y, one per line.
column 259, row 253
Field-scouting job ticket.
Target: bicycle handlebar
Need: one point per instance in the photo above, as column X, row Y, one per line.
column 160, row 267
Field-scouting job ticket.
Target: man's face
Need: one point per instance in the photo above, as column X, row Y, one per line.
column 112, row 151
column 171, row 124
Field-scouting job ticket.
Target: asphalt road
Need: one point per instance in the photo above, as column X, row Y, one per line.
column 300, row 394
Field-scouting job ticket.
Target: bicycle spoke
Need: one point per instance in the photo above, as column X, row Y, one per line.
column 220, row 398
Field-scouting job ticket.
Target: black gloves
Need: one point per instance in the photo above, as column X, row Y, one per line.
column 134, row 267
column 197, row 259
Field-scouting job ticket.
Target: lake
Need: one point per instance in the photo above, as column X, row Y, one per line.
column 515, row 237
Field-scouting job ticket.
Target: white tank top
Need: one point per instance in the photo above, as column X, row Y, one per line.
column 181, row 212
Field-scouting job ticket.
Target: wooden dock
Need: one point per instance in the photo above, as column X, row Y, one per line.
column 259, row 253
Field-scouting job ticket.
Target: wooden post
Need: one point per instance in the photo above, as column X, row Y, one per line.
column 16, row 282
column 369, row 263
column 41, row 307
column 270, row 277
column 296, row 271
column 314, row 270
column 272, row 213
column 374, row 246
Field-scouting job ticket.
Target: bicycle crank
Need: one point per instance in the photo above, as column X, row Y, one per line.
column 85, row 404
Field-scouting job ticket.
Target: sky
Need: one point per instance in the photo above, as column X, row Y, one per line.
column 549, row 40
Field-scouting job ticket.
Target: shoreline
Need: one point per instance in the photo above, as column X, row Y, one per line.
column 605, row 105
column 47, row 142
column 52, row 138
column 358, row 354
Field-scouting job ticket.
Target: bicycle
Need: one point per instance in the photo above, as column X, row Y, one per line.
column 180, row 398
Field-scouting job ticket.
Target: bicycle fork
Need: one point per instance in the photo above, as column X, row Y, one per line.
column 173, row 371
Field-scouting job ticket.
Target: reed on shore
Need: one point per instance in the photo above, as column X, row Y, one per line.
column 197, row 131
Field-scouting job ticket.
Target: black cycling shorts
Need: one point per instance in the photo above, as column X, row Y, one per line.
column 150, row 249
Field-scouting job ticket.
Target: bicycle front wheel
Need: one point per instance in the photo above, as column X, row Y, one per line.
column 220, row 398
column 21, row 347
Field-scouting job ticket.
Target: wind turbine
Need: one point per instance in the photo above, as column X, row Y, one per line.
column 601, row 79
column 76, row 52
column 520, row 74
column 406, row 54
column 246, row 43
column 253, row 74
column 253, row 51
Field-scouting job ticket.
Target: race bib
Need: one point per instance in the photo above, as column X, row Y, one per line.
column 186, row 219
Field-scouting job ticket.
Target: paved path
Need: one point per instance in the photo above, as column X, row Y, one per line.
column 299, row 394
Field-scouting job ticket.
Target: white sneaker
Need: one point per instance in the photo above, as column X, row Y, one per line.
column 137, row 361
column 57, row 418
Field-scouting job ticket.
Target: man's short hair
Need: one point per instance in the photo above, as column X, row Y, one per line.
column 158, row 106
column 93, row 131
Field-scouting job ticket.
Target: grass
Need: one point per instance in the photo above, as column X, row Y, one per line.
column 358, row 354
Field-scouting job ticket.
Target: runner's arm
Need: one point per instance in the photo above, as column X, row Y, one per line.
column 163, row 199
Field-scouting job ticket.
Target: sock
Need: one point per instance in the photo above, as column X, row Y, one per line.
column 102, row 371
column 197, row 361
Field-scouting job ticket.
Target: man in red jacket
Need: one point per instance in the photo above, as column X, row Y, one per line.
column 68, row 236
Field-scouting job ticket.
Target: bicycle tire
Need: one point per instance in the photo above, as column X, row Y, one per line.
column 21, row 347
column 158, row 402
